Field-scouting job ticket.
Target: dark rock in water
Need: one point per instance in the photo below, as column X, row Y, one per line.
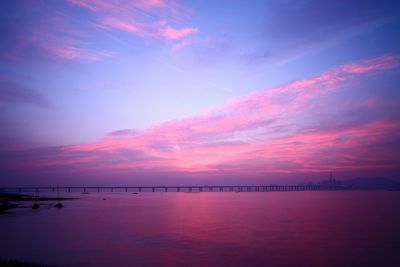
column 104, row 198
column 5, row 205
column 59, row 205
column 35, row 206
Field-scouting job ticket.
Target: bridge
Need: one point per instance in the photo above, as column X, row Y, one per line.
column 187, row 189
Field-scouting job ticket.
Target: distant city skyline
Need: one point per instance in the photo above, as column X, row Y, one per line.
column 164, row 92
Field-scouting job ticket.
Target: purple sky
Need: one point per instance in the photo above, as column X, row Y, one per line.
column 193, row 92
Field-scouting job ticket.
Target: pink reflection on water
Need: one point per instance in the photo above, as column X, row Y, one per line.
column 210, row 229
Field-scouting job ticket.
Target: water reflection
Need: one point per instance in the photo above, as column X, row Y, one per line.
column 209, row 229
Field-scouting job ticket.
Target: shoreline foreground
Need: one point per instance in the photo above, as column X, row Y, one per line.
column 7, row 199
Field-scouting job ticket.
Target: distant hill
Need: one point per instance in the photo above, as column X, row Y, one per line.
column 372, row 182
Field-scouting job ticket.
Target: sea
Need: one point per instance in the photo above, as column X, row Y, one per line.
column 308, row 228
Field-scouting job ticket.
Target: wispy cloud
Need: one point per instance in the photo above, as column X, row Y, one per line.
column 50, row 33
column 55, row 30
column 173, row 34
column 147, row 19
column 280, row 129
column 68, row 49
column 12, row 93
column 295, row 27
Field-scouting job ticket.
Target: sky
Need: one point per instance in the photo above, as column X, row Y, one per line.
column 112, row 92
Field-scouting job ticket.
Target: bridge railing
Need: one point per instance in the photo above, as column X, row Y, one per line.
column 188, row 188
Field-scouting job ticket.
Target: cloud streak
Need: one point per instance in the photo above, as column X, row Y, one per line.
column 50, row 33
column 276, row 130
column 11, row 93
column 146, row 19
column 55, row 30
column 294, row 27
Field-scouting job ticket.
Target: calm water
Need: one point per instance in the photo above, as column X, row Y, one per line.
column 210, row 229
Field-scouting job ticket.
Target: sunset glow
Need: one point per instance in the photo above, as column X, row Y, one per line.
column 147, row 91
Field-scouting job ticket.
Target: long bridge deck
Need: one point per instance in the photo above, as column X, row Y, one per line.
column 194, row 188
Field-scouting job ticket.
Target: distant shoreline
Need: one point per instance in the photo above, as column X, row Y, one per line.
column 7, row 199
column 23, row 197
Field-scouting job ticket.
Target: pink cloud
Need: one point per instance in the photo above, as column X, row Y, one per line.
column 121, row 133
column 72, row 52
column 54, row 36
column 120, row 24
column 273, row 130
column 172, row 34
column 101, row 5
column 151, row 19
column 383, row 62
